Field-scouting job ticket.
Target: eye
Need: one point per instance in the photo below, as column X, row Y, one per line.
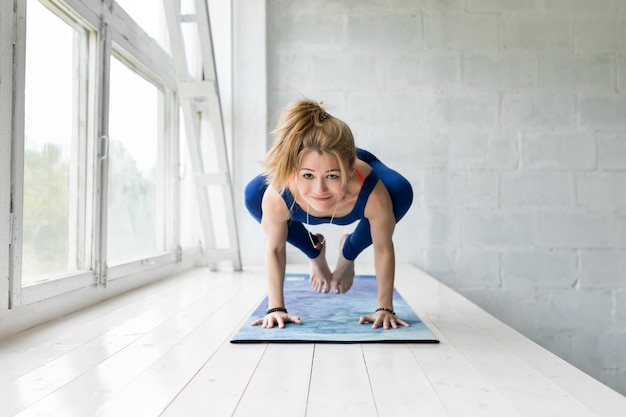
column 307, row 176
column 332, row 176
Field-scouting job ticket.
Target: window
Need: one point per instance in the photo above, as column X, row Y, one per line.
column 54, row 152
column 189, row 217
column 99, row 194
column 148, row 15
column 135, row 218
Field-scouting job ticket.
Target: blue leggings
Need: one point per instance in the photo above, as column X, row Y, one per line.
column 399, row 190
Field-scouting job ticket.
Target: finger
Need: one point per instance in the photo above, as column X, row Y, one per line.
column 295, row 319
column 377, row 323
column 393, row 323
column 268, row 322
column 365, row 319
column 256, row 322
column 280, row 322
column 403, row 323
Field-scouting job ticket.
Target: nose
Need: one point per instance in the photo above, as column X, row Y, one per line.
column 320, row 185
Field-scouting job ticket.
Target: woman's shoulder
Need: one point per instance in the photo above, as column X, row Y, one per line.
column 274, row 205
column 379, row 202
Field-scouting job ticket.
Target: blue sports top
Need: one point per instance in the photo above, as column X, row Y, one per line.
column 357, row 213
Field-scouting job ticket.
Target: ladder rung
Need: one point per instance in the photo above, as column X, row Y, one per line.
column 187, row 18
column 197, row 89
column 202, row 106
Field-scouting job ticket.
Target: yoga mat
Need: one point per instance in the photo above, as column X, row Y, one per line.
column 334, row 318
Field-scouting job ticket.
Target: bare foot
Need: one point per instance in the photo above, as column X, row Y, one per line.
column 320, row 272
column 343, row 277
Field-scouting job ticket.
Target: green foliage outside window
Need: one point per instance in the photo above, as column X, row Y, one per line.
column 45, row 226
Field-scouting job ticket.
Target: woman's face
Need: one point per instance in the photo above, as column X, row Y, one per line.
column 318, row 180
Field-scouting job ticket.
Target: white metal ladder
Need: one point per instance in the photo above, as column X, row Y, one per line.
column 199, row 99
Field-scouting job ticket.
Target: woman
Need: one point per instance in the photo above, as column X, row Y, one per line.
column 315, row 174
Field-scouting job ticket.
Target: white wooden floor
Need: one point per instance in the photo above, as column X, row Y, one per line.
column 164, row 350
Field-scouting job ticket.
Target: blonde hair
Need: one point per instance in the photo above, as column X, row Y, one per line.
column 305, row 126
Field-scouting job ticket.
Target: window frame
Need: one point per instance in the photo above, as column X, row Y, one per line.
column 112, row 32
column 30, row 293
column 168, row 209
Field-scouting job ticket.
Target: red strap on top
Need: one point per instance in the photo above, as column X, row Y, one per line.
column 359, row 175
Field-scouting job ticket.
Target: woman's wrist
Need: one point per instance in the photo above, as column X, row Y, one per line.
column 388, row 310
column 275, row 310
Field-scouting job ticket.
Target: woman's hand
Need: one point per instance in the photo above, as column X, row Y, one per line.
column 383, row 318
column 278, row 318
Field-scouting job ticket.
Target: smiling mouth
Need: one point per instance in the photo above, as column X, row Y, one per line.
column 321, row 198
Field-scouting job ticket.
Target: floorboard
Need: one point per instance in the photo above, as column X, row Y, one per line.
column 164, row 350
column 283, row 375
column 339, row 383
column 399, row 384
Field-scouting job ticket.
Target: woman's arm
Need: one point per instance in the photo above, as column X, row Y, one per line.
column 274, row 224
column 379, row 212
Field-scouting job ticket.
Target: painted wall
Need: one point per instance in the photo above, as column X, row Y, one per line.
column 509, row 119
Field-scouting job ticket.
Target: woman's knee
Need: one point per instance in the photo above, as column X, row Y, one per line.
column 401, row 193
column 253, row 196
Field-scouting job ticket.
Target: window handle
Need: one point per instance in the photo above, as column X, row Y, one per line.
column 104, row 147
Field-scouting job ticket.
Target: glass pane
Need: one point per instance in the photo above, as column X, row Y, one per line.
column 134, row 126
column 48, row 150
column 190, row 228
column 149, row 18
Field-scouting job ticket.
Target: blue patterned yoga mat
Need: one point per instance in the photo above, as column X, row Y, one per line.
column 334, row 318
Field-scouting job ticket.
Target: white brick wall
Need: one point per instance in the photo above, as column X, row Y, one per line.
column 611, row 149
column 509, row 119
